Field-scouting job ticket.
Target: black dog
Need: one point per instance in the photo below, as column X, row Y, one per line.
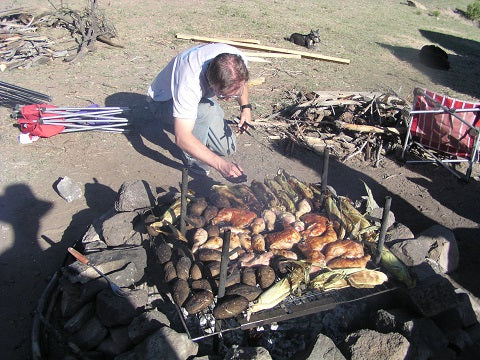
column 308, row 41
column 434, row 57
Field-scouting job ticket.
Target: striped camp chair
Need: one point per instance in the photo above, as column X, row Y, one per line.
column 446, row 129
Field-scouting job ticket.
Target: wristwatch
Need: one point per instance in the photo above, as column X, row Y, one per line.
column 246, row 106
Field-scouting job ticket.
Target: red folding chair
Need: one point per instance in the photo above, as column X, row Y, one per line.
column 446, row 129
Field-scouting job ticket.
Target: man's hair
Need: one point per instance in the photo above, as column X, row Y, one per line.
column 226, row 72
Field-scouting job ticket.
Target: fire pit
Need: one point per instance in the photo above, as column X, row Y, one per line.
column 206, row 294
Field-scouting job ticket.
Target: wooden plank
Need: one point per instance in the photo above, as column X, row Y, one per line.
column 266, row 48
column 273, row 55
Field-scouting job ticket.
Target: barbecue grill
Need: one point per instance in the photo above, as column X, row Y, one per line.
column 203, row 324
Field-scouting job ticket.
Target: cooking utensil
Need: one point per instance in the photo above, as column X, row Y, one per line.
column 83, row 259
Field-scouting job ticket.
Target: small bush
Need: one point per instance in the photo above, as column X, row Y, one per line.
column 473, row 11
column 435, row 13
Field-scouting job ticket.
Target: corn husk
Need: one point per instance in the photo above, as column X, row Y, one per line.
column 281, row 178
column 332, row 279
column 226, row 191
column 300, row 187
column 172, row 214
column 280, row 290
column 360, row 227
column 397, row 268
column 335, row 215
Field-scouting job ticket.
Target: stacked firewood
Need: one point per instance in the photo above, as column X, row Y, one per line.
column 31, row 37
column 363, row 124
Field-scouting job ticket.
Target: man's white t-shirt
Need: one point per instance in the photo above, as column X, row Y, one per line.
column 184, row 79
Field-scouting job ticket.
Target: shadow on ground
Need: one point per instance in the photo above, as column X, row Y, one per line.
column 25, row 263
column 463, row 58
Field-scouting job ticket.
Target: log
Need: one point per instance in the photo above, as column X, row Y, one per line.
column 364, row 128
column 262, row 47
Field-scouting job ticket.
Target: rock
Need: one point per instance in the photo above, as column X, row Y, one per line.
column 428, row 341
column 110, row 347
column 164, row 344
column 124, row 266
column 325, row 349
column 411, row 252
column 444, row 248
column 119, row 335
column 69, row 190
column 120, row 230
column 377, row 213
column 80, row 317
column 433, row 295
column 145, row 324
column 247, row 353
column 437, row 244
column 134, row 195
column 393, row 320
column 90, row 335
column 370, row 344
column 398, row 232
column 113, row 310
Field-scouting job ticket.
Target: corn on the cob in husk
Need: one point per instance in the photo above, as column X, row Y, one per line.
column 281, row 195
column 172, row 214
column 279, row 291
column 282, row 180
column 356, row 223
column 265, row 195
column 301, row 188
column 398, row 269
column 226, row 192
column 335, row 215
column 244, row 192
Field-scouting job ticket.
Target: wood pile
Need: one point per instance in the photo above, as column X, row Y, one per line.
column 31, row 37
column 349, row 124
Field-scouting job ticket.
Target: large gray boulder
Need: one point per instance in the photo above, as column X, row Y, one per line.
column 325, row 349
column 370, row 344
column 164, row 344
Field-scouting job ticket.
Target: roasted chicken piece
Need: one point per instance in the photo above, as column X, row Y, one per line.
column 288, row 254
column 258, row 225
column 235, row 217
column 255, row 260
column 258, row 243
column 312, row 255
column 343, row 248
column 284, row 239
column 311, row 218
column 319, row 242
column 315, row 224
column 216, row 242
column 340, row 262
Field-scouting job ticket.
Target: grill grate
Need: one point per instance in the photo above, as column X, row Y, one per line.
column 203, row 324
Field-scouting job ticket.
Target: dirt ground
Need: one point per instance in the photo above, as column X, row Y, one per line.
column 37, row 225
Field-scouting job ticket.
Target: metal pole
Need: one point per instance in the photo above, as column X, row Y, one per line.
column 183, row 200
column 26, row 91
column 326, row 155
column 224, row 264
column 383, row 228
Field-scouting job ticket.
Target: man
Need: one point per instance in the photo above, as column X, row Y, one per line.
column 182, row 98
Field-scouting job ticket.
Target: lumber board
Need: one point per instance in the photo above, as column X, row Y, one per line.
column 265, row 48
column 273, row 55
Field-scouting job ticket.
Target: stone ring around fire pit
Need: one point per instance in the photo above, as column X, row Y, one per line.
column 79, row 316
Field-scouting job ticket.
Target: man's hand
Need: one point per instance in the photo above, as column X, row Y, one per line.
column 232, row 172
column 245, row 118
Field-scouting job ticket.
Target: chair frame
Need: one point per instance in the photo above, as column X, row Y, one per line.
column 473, row 130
